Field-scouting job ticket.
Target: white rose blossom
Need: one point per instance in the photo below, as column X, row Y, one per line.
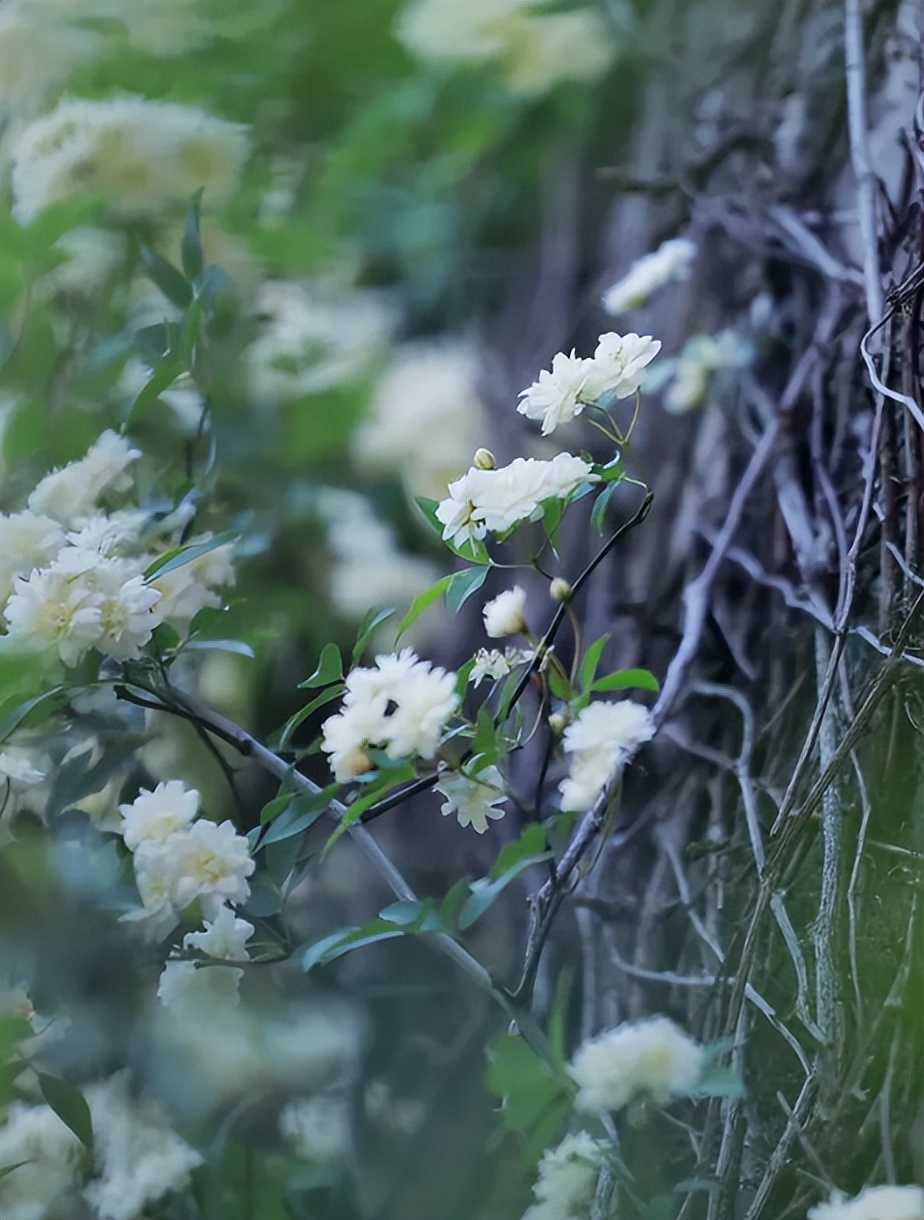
column 48, row 1157
column 193, row 993
column 619, row 364
column 556, row 398
column 28, row 540
column 505, row 614
column 225, row 937
column 52, row 612
column 72, row 492
column 473, row 798
column 872, row 1203
column 317, row 1128
column 652, row 1058
column 400, row 705
column 599, row 739
column 670, row 263
column 153, row 816
column 567, row 1179
column 496, row 500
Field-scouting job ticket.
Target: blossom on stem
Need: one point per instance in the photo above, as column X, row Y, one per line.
column 556, row 397
column 652, row 1058
column 619, row 364
column 505, row 614
column 599, row 739
column 72, row 492
column 488, row 663
column 473, row 798
column 225, row 937
column 872, row 1203
column 567, row 1179
column 671, row 262
column 153, row 816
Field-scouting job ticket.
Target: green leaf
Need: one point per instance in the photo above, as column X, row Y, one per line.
column 462, row 585
column 302, row 813
column 484, row 893
column 552, row 512
column 531, row 844
column 612, row 472
column 172, row 283
column 591, row 661
column 412, row 916
column 348, row 939
column 452, row 903
column 525, row 1082
column 70, row 1106
column 627, row 679
column 191, row 245
column 330, row 669
column 14, row 718
column 326, row 696
column 182, row 555
column 421, row 602
column 600, row 506
column 373, row 619
column 718, row 1082
column 236, row 646
column 380, row 786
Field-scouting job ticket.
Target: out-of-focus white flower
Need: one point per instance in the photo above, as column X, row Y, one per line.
column 405, row 1115
column 150, row 25
column 873, row 1203
column 473, row 798
column 702, row 357
column 51, row 612
column 317, row 1128
column 140, row 154
column 139, row 1158
column 153, row 816
column 17, row 771
column 27, row 540
column 192, row 587
column 194, row 993
column 225, row 937
column 506, row 613
column 93, row 257
column 48, row 1156
column 652, row 1058
column 457, row 33
column 72, row 492
column 369, row 567
column 556, row 397
column 36, row 56
column 599, row 739
column 567, row 1179
column 489, row 663
column 549, row 49
column 619, row 364
column 430, row 389
column 311, row 341
column 400, row 705
column 496, row 500
column 670, row 263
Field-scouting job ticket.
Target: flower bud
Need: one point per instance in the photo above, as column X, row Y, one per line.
column 558, row 722
column 559, row 590
column 505, row 614
column 484, row 459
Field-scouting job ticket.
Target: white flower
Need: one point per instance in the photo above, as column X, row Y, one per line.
column 552, row 48
column 209, row 862
column 317, row 1128
column 489, row 663
column 457, row 33
column 225, row 937
column 48, row 1156
column 93, row 256
column 192, row 586
column 194, row 993
column 72, row 492
column 556, row 397
column 669, row 263
column 36, row 56
column 701, row 357
column 311, row 341
column 567, row 1179
column 153, row 816
column 473, row 798
column 17, row 771
column 430, row 388
column 401, row 705
column 496, row 500
column 138, row 153
column 49, row 611
column 129, row 609
column 505, row 614
column 873, row 1203
column 139, row 1159
column 27, row 540
column 619, row 364
column 599, row 739
column 652, row 1058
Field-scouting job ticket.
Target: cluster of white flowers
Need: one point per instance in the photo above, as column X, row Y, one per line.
column 138, row 1157
column 616, row 369
column 506, row 613
column 473, row 798
column 317, row 1128
column 72, row 576
column 179, row 859
column 670, row 263
column 535, row 50
column 141, row 155
column 567, row 1179
column 310, row 341
column 369, row 568
column 652, row 1058
column 599, row 739
column 873, row 1203
column 429, row 389
column 401, row 705
column 496, row 500
column 47, row 1156
column 36, row 56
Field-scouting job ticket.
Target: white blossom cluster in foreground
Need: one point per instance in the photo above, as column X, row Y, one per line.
column 652, row 1058
column 600, row 738
column 567, row 1179
column 141, row 155
column 400, row 705
column 873, row 1203
column 72, row 574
